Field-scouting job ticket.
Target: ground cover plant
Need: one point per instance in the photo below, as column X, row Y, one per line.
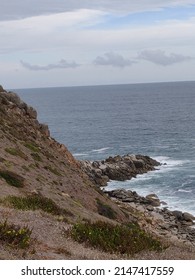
column 32, row 146
column 105, row 210
column 12, row 178
column 36, row 202
column 16, row 152
column 124, row 239
column 14, row 235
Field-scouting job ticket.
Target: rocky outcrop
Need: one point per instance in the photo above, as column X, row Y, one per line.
column 11, row 102
column 162, row 222
column 132, row 196
column 1, row 89
column 119, row 168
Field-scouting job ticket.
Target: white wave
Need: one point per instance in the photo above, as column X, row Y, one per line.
column 169, row 164
column 143, row 177
column 80, row 154
column 169, row 161
column 101, row 150
column 184, row 191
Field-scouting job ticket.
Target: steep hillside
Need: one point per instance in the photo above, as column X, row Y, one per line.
column 41, row 164
column 33, row 163
column 46, row 196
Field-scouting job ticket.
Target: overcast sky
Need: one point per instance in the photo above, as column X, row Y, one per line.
column 47, row 43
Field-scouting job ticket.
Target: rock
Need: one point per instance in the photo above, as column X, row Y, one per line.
column 31, row 112
column 14, row 98
column 102, row 180
column 187, row 223
column 138, row 163
column 119, row 168
column 102, row 167
column 150, row 208
column 153, row 200
column 65, row 194
column 173, row 238
column 128, row 199
column 178, row 214
column 35, row 192
column 140, row 208
column 165, row 226
column 188, row 217
column 2, row 89
column 163, row 203
column 152, row 196
column 44, row 129
column 95, row 164
column 157, row 216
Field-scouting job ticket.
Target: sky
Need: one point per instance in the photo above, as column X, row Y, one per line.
column 46, row 43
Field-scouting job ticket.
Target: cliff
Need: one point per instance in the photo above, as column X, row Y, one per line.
column 45, row 191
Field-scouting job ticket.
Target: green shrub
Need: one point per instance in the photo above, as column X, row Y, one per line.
column 12, row 178
column 14, row 235
column 36, row 157
column 16, row 152
column 32, row 146
column 53, row 170
column 105, row 210
column 123, row 239
column 36, row 202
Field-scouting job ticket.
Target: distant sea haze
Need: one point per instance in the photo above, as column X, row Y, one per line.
column 157, row 119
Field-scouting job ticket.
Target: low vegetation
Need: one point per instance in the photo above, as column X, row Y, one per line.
column 16, row 152
column 124, row 239
column 32, row 146
column 14, row 235
column 36, row 202
column 36, row 157
column 105, row 210
column 53, row 170
column 12, row 178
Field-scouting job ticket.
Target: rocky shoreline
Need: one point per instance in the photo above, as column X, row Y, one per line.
column 175, row 226
column 119, row 168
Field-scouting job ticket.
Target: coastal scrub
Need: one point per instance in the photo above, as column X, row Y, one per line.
column 124, row 239
column 14, row 235
column 36, row 202
column 12, row 178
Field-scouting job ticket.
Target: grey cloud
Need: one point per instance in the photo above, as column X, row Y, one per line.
column 62, row 64
column 16, row 9
column 113, row 59
column 161, row 58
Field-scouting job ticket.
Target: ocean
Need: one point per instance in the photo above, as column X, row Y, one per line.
column 156, row 119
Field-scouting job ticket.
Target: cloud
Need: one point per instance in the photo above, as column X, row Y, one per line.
column 161, row 58
column 113, row 59
column 62, row 64
column 42, row 32
column 17, row 9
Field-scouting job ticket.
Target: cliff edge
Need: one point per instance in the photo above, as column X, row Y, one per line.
column 45, row 191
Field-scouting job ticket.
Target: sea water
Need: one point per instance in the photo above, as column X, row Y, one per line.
column 156, row 119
